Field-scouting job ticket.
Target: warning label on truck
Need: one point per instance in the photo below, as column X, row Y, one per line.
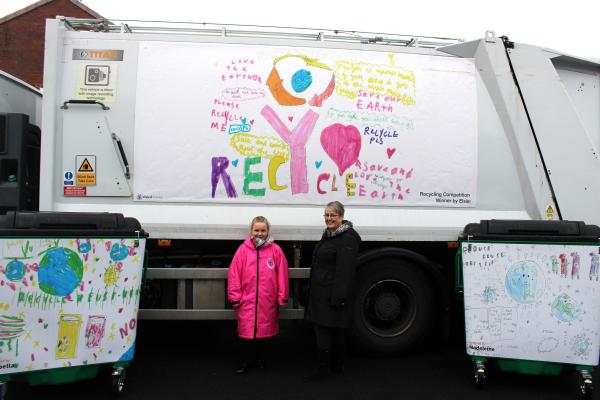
column 96, row 82
column 75, row 191
column 86, row 170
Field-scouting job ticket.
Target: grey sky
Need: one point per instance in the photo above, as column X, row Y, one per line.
column 571, row 27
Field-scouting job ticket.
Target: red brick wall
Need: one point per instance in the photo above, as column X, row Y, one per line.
column 22, row 40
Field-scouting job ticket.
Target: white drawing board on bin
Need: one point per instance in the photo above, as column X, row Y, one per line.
column 532, row 301
column 68, row 302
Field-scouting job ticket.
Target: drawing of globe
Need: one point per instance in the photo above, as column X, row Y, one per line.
column 564, row 308
column 15, row 270
column 60, row 271
column 524, row 282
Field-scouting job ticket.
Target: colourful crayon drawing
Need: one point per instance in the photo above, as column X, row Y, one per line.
column 555, row 264
column 342, row 144
column 564, row 308
column 68, row 335
column 385, row 121
column 44, row 327
column 11, row 327
column 300, row 80
column 282, row 126
column 581, row 345
column 14, row 270
column 94, row 330
column 490, row 295
column 594, row 264
column 260, row 146
column 243, row 127
column 391, row 81
column 112, row 273
column 524, row 282
column 556, row 317
column 296, row 139
column 60, row 271
column 575, row 265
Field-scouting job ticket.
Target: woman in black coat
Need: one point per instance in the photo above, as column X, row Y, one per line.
column 331, row 286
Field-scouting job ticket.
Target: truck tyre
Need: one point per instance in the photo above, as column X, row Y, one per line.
column 394, row 307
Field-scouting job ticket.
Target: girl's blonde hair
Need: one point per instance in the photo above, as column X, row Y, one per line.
column 262, row 219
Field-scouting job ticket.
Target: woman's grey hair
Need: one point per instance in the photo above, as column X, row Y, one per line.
column 337, row 207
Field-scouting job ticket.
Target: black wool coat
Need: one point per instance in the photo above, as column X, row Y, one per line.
column 332, row 276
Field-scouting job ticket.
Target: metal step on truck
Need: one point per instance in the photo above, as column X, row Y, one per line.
column 194, row 129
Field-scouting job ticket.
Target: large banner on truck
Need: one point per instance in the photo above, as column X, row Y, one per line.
column 294, row 125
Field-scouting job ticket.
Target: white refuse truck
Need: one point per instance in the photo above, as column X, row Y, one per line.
column 194, row 130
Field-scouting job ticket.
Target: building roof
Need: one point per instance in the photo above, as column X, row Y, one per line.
column 41, row 3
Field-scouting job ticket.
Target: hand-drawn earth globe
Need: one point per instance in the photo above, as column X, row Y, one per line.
column 525, row 282
column 565, row 309
column 60, row 271
column 15, row 270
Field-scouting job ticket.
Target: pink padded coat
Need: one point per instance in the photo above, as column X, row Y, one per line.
column 257, row 284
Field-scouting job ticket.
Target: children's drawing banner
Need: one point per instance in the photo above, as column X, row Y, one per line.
column 68, row 302
column 295, row 125
column 532, row 301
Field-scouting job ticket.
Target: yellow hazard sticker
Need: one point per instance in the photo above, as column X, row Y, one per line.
column 85, row 166
column 86, row 170
column 550, row 212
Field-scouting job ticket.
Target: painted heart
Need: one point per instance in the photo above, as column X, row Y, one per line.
column 342, row 144
column 234, row 163
column 251, row 122
column 318, row 164
column 390, row 152
column 119, row 252
column 291, row 118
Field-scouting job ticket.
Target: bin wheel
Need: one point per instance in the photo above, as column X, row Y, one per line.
column 585, row 385
column 3, row 389
column 118, row 380
column 479, row 377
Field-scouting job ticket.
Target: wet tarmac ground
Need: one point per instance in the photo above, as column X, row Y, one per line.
column 197, row 359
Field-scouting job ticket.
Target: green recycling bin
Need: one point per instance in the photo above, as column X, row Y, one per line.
column 531, row 293
column 69, row 295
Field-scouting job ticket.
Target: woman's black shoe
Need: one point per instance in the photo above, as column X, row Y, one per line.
column 243, row 369
column 247, row 366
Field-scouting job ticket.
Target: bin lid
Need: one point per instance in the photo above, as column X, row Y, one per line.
column 531, row 230
column 29, row 223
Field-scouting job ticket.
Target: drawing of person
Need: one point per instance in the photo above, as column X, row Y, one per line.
column 595, row 262
column 257, row 284
column 563, row 265
column 575, row 265
column 555, row 264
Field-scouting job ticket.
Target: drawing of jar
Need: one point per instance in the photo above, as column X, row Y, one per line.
column 68, row 333
column 94, row 331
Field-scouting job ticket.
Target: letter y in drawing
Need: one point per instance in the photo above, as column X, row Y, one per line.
column 296, row 139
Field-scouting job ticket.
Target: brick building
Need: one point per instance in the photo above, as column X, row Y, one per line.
column 22, row 36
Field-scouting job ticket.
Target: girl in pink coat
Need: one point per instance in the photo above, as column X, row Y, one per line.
column 257, row 284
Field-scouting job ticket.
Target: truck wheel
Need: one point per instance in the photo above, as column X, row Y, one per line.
column 394, row 307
